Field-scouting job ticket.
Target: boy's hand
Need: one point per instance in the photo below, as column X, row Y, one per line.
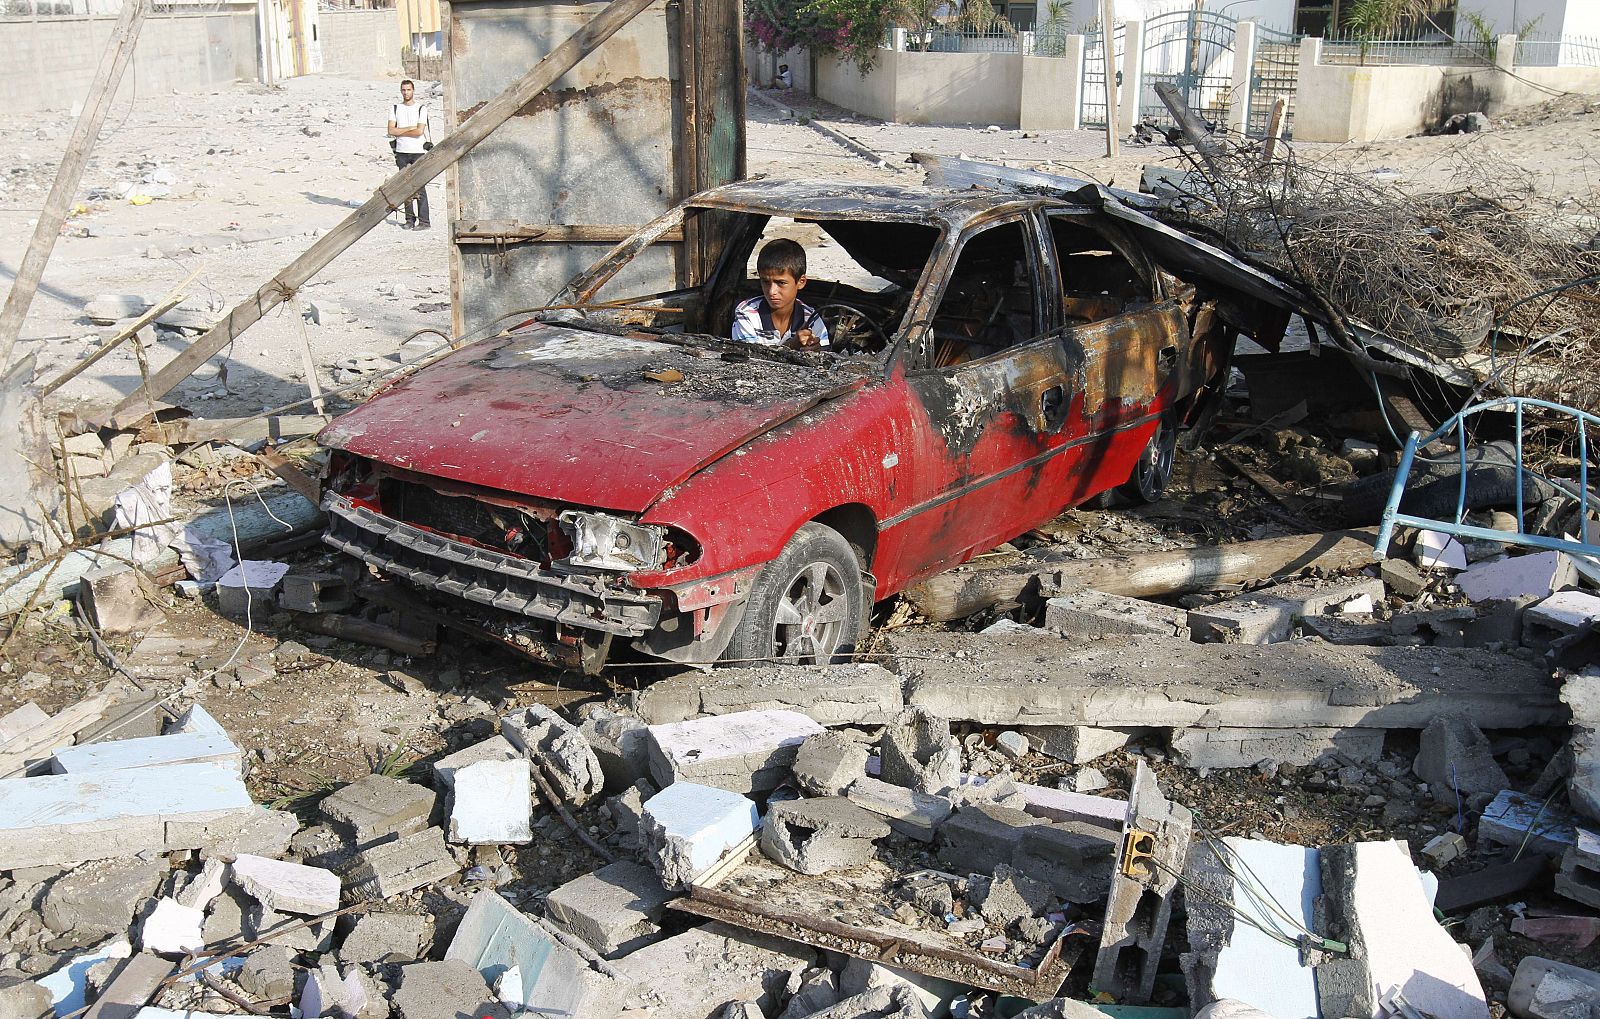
column 805, row 338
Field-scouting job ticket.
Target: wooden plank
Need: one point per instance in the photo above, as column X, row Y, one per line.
column 38, row 742
column 278, row 428
column 1269, row 148
column 171, row 301
column 511, row 231
column 391, row 194
column 108, row 74
column 1108, row 46
column 292, row 475
column 966, row 590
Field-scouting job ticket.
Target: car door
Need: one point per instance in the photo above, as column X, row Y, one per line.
column 993, row 384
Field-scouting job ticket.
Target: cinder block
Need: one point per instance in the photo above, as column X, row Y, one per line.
column 1085, row 614
column 748, row 751
column 391, row 868
column 688, row 827
column 314, row 592
column 378, row 807
column 1579, row 878
column 614, row 910
column 251, row 588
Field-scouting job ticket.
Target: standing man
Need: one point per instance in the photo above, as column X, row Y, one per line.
column 408, row 126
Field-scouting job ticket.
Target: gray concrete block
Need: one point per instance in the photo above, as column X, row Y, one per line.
column 1269, row 615
column 391, row 868
column 290, row 930
column 559, row 750
column 1075, row 859
column 976, row 837
column 1402, row 578
column 118, row 600
column 1579, row 878
column 749, row 751
column 1077, row 744
column 827, row 763
column 816, row 836
column 445, row 990
column 315, row 592
column 100, row 897
column 693, row 974
column 286, row 887
column 384, row 938
column 620, row 745
column 378, row 807
column 1454, row 755
column 914, row 815
column 1085, row 614
column 919, row 753
column 268, row 972
column 627, row 808
column 832, row 695
column 25, row 999
column 1010, row 896
column 614, row 910
column 1230, row 747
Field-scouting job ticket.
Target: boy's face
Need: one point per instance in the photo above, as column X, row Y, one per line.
column 780, row 288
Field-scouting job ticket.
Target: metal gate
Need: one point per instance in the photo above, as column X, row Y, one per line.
column 1192, row 50
column 1275, row 73
column 1092, row 107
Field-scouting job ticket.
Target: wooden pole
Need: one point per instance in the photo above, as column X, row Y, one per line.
column 1108, row 37
column 1192, row 129
column 966, row 590
column 389, row 196
column 1269, row 148
column 118, row 51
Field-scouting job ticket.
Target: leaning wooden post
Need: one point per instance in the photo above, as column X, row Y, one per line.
column 119, row 50
column 389, row 196
column 1108, row 37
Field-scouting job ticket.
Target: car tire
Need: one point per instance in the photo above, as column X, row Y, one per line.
column 808, row 605
column 1153, row 471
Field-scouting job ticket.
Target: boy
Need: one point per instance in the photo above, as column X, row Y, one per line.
column 778, row 318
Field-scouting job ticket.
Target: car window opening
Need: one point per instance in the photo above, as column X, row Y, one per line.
column 990, row 300
column 1097, row 281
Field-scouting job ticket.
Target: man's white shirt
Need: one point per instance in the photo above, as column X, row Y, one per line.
column 409, row 116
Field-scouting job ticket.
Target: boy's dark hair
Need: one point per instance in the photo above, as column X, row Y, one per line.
column 782, row 255
column 408, row 81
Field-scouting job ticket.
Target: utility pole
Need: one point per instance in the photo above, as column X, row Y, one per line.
column 1108, row 38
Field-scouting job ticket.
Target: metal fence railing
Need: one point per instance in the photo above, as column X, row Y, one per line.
column 1431, row 49
column 1558, row 51
column 1000, row 39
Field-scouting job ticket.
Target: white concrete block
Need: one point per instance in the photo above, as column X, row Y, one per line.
column 495, row 748
column 1564, row 611
column 286, row 887
column 205, row 886
column 172, row 929
column 1437, row 550
column 492, row 804
column 746, row 751
column 1523, row 576
column 196, row 719
column 56, row 819
column 1406, row 947
column 1065, row 805
column 688, row 827
column 147, row 752
column 1290, row 878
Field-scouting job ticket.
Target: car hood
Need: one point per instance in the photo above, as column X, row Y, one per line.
column 580, row 417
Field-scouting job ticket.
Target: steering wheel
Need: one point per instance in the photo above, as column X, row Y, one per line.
column 846, row 323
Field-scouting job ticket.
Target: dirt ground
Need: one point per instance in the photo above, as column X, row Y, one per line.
column 258, row 173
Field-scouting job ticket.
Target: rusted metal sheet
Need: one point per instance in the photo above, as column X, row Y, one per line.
column 612, row 145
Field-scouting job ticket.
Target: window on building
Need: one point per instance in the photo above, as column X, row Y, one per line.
column 1325, row 18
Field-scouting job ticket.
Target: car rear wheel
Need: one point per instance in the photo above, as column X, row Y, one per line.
column 808, row 606
column 1153, row 472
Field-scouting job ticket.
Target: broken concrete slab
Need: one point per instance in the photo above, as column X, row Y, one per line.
column 448, row 989
column 1454, row 757
column 384, row 938
column 1077, row 744
column 117, row 600
column 172, row 929
column 377, row 807
column 1139, row 905
column 978, row 835
column 1075, row 859
column 262, row 923
column 24, row 999
column 20, row 720
column 286, row 887
column 1375, row 903
column 147, row 752
column 492, row 803
column 688, row 827
column 1402, row 578
column 1066, row 805
column 816, row 836
column 934, row 996
column 135, row 983
column 828, row 762
column 747, row 751
column 672, row 980
column 1009, row 896
column 1237, row 885
column 268, row 973
column 819, row 989
column 559, row 750
column 1546, row 989
column 854, row 694
column 1561, row 614
column 495, row 748
column 63, row 819
column 1088, row 614
column 1027, row 679
column 1537, row 575
column 1229, row 747
column 100, row 897
column 914, row 815
column 495, row 938
column 881, row 1002
column 406, row 864
column 919, row 753
column 614, row 910
column 619, row 743
column 261, row 832
column 1269, row 615
column 204, row 886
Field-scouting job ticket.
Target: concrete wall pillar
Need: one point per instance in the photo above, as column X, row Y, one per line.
column 1505, row 52
column 898, row 39
column 1244, row 65
column 1072, row 95
column 1131, row 92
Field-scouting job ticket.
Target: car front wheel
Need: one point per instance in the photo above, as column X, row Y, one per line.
column 1153, row 472
column 808, row 606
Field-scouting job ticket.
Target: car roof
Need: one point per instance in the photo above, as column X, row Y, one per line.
column 838, row 199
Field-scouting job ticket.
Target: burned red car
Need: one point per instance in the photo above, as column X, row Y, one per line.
column 616, row 472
